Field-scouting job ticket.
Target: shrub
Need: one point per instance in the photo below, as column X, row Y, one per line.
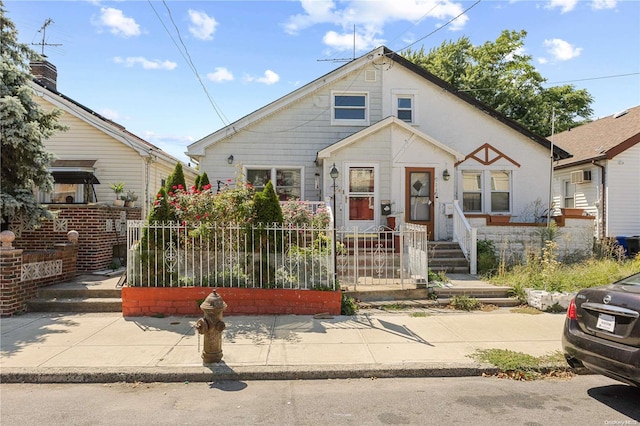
column 487, row 259
column 348, row 306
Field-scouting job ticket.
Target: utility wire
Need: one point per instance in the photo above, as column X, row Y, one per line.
column 188, row 60
column 439, row 28
column 594, row 78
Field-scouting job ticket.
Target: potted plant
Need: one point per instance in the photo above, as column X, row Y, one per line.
column 131, row 199
column 118, row 188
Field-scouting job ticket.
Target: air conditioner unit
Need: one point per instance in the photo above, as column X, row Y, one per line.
column 581, row 176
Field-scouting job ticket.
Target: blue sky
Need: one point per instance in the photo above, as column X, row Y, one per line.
column 175, row 71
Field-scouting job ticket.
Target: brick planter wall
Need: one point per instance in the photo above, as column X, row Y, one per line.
column 22, row 273
column 101, row 227
column 149, row 301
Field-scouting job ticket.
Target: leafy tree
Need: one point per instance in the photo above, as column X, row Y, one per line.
column 501, row 76
column 23, row 128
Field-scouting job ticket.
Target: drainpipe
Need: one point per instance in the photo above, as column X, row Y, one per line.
column 603, row 199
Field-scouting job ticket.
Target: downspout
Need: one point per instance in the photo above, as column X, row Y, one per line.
column 603, row 199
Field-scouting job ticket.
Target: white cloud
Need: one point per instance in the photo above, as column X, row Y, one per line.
column 171, row 144
column 564, row 5
column 369, row 18
column 543, row 60
column 110, row 114
column 147, row 64
column 604, row 4
column 220, row 75
column 268, row 78
column 202, row 25
column 562, row 50
column 117, row 23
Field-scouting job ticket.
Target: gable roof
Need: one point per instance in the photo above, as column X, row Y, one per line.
column 326, row 153
column 197, row 148
column 601, row 139
column 103, row 124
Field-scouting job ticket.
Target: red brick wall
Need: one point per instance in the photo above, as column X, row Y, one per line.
column 14, row 293
column 148, row 301
column 95, row 251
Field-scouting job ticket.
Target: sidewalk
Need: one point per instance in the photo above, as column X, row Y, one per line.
column 105, row 347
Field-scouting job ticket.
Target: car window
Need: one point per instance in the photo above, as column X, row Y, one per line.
column 632, row 280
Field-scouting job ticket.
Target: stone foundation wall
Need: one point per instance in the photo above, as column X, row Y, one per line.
column 575, row 235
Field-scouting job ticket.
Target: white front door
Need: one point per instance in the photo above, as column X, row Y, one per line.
column 361, row 195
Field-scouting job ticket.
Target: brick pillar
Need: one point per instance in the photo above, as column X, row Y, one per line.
column 10, row 275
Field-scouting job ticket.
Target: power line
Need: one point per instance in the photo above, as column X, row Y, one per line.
column 594, row 78
column 188, row 60
column 439, row 28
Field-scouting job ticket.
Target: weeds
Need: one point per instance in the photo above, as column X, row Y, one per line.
column 465, row 303
column 521, row 366
column 349, row 305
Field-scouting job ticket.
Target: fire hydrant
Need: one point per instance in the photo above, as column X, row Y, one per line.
column 211, row 327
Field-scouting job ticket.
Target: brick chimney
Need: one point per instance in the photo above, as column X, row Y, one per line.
column 45, row 73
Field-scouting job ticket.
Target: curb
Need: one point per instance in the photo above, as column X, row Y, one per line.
column 222, row 372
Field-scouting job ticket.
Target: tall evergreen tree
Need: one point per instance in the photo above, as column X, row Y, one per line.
column 24, row 125
column 204, row 180
column 176, row 178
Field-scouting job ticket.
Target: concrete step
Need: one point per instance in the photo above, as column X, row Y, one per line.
column 62, row 298
column 74, row 304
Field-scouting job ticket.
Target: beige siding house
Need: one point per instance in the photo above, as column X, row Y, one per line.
column 96, row 149
column 603, row 177
column 405, row 145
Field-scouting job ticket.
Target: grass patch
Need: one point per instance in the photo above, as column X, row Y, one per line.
column 419, row 314
column 394, row 307
column 525, row 309
column 521, row 366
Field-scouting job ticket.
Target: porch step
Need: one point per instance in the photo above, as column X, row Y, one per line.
column 52, row 299
column 420, row 297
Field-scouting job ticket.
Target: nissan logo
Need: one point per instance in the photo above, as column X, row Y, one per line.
column 607, row 299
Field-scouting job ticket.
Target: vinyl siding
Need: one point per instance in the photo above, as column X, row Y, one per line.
column 623, row 185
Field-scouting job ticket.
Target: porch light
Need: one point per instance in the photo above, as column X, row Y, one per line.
column 230, row 159
column 445, row 174
column 334, row 174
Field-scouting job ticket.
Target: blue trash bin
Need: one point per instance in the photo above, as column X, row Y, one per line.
column 622, row 242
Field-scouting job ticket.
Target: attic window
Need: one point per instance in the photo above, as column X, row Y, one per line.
column 350, row 108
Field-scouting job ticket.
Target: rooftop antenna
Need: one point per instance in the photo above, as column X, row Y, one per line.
column 344, row 59
column 43, row 30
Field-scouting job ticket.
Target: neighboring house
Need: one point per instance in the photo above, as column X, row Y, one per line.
column 95, row 152
column 603, row 177
column 405, row 144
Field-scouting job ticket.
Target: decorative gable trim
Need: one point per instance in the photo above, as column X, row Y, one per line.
column 487, row 155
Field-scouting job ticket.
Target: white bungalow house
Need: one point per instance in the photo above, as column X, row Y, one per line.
column 603, row 176
column 95, row 152
column 405, row 145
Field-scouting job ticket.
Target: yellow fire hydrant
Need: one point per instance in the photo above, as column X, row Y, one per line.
column 211, row 327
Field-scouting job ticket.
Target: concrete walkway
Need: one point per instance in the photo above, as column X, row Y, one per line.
column 105, row 347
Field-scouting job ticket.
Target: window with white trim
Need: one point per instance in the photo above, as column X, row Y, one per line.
column 569, row 194
column 472, row 192
column 349, row 108
column 500, row 192
column 404, row 108
column 486, row 191
column 287, row 181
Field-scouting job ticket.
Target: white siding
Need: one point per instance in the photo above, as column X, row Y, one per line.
column 623, row 193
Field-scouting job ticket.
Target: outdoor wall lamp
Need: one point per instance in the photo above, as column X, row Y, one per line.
column 230, row 159
column 446, row 175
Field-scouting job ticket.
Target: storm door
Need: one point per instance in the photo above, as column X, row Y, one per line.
column 361, row 196
column 419, row 197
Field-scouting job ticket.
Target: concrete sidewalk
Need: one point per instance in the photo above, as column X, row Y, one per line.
column 105, row 347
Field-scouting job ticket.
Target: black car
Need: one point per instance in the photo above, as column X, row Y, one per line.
column 602, row 330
